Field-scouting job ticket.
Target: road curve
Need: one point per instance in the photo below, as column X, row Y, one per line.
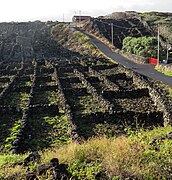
column 144, row 69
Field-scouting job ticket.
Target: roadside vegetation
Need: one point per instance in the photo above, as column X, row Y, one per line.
column 144, row 154
column 142, row 46
column 170, row 90
column 164, row 71
column 75, row 40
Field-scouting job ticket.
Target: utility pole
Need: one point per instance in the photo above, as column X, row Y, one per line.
column 63, row 17
column 79, row 18
column 167, row 53
column 158, row 45
column 112, row 33
column 169, row 48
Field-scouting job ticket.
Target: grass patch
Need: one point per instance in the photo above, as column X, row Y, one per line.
column 167, row 73
column 14, row 131
column 17, row 99
column 11, row 159
column 140, row 155
column 75, row 40
column 170, row 92
column 53, row 97
column 80, row 37
column 144, row 154
column 47, row 131
column 9, row 128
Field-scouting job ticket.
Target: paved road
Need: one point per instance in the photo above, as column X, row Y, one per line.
column 145, row 69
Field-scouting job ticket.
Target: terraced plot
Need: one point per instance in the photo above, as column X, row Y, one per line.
column 133, row 26
column 49, row 97
column 31, row 118
column 51, row 102
column 101, row 96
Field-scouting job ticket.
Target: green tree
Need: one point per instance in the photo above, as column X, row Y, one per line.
column 142, row 46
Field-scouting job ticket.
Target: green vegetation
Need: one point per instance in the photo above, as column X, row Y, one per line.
column 47, row 131
column 75, row 40
column 46, row 97
column 9, row 127
column 11, row 159
column 14, row 131
column 60, row 133
column 80, row 37
column 28, row 83
column 3, row 85
column 156, row 17
column 140, row 155
column 170, row 91
column 142, row 46
column 167, row 73
column 85, row 105
column 17, row 99
column 162, row 18
column 53, row 97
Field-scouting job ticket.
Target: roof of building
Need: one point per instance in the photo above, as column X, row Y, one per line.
column 81, row 16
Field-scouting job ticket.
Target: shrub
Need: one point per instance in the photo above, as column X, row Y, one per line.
column 142, row 46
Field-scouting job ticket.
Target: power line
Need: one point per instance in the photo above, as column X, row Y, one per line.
column 122, row 27
column 158, row 45
column 112, row 33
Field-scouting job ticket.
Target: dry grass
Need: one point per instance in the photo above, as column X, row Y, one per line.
column 87, row 150
column 141, row 155
column 134, row 157
column 123, row 157
column 15, row 172
column 117, row 156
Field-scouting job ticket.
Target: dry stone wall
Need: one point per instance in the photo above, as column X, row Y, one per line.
column 57, row 97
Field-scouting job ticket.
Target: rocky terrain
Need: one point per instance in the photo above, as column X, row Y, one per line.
column 50, row 95
column 132, row 24
column 43, row 86
column 124, row 25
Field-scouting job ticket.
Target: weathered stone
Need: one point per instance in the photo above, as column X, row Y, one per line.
column 32, row 157
column 42, row 170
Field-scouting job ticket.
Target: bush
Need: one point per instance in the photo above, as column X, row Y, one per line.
column 142, row 46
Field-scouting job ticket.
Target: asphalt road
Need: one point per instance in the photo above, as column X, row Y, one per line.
column 144, row 69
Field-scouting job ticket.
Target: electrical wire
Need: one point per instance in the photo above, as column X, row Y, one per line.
column 122, row 27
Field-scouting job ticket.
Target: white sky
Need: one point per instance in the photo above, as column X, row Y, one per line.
column 29, row 10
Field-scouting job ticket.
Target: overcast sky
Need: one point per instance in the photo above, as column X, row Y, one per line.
column 25, row 10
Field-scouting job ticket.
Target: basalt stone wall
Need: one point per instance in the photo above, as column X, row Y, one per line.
column 127, row 93
column 133, row 57
column 157, row 94
column 101, row 29
column 165, row 67
column 8, row 88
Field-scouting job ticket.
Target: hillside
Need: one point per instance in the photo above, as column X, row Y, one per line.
column 133, row 24
column 60, row 97
column 122, row 28
column 151, row 18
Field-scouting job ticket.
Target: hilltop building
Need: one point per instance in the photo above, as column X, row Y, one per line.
column 78, row 19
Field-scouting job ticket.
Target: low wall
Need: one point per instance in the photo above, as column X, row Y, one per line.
column 132, row 57
column 159, row 96
column 165, row 67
